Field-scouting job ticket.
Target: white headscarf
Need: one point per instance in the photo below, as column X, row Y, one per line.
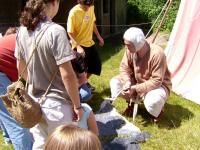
column 135, row 36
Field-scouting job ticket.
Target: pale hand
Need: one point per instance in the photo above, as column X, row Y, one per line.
column 80, row 50
column 127, row 93
column 79, row 113
column 127, row 85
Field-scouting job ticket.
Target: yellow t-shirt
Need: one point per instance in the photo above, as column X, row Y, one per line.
column 81, row 24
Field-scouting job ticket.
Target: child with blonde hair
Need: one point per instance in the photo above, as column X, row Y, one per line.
column 70, row 137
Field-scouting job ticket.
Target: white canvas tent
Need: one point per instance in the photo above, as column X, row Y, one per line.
column 183, row 51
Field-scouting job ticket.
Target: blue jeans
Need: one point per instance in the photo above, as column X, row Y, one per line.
column 20, row 137
column 85, row 93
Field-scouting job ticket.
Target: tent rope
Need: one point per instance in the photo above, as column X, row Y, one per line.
column 164, row 7
column 169, row 2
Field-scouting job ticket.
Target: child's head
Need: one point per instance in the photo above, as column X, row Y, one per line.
column 70, row 137
column 11, row 30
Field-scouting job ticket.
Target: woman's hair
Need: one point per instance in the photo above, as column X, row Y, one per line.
column 70, row 137
column 33, row 13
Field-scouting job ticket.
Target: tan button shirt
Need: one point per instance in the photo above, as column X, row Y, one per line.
column 148, row 72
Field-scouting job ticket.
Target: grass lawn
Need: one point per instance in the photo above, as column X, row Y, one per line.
column 178, row 130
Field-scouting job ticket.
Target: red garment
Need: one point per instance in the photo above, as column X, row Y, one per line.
column 7, row 58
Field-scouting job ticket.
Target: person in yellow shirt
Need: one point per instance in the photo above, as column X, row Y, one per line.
column 80, row 27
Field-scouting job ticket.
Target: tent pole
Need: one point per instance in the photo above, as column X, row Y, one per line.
column 162, row 21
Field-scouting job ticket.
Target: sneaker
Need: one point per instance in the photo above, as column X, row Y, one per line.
column 91, row 87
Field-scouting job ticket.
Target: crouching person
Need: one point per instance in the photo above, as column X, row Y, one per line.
column 143, row 73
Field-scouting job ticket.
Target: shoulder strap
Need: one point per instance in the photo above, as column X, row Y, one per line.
column 42, row 99
column 33, row 51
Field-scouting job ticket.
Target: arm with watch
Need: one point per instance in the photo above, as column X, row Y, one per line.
column 71, row 85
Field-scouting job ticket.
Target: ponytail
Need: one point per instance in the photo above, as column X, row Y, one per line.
column 33, row 13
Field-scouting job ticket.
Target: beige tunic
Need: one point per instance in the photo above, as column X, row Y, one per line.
column 148, row 72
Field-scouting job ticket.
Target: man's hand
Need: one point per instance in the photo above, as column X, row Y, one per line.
column 126, row 94
column 129, row 92
column 126, row 90
column 127, row 85
column 80, row 50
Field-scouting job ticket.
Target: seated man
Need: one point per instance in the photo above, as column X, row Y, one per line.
column 143, row 73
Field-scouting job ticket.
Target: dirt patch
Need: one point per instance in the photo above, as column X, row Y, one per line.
column 161, row 39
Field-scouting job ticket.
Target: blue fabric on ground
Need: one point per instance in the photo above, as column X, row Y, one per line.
column 116, row 133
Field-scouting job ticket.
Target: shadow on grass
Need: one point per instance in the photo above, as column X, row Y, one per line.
column 171, row 119
column 98, row 98
column 108, row 130
column 112, row 46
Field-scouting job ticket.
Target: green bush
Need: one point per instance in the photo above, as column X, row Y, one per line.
column 144, row 11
